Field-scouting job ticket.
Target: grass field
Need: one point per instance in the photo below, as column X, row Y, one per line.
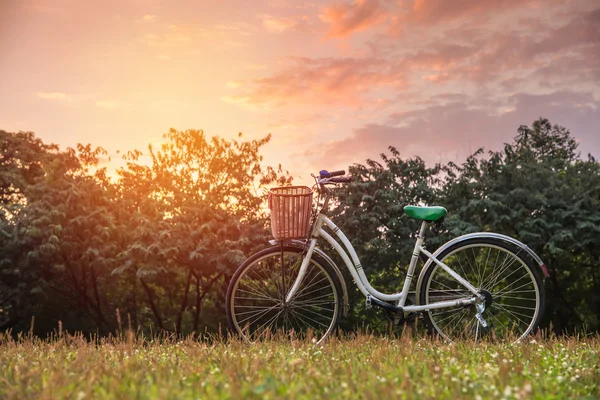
column 362, row 366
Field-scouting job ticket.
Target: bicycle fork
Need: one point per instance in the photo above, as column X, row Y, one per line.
column 302, row 272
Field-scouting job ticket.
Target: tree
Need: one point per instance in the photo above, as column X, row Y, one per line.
column 196, row 214
column 160, row 244
column 537, row 190
column 533, row 191
column 58, row 244
column 156, row 245
column 370, row 212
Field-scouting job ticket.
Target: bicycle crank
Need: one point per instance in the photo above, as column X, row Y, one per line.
column 480, row 319
column 372, row 301
column 482, row 305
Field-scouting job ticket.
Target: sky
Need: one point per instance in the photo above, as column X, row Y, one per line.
column 334, row 82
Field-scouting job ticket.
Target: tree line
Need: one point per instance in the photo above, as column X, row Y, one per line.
column 155, row 247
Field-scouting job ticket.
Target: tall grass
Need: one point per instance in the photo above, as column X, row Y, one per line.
column 354, row 366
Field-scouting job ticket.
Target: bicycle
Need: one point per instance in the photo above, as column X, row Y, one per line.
column 474, row 285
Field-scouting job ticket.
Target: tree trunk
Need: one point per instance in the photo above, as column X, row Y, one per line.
column 153, row 307
column 97, row 297
column 198, row 305
column 84, row 282
column 84, row 300
column 134, row 301
column 76, row 285
column 558, row 291
column 200, row 297
column 184, row 302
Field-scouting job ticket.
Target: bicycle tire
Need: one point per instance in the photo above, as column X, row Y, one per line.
column 516, row 289
column 257, row 287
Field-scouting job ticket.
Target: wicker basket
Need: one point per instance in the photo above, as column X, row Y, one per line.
column 290, row 208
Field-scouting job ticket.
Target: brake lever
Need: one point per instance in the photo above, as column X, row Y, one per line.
column 325, row 181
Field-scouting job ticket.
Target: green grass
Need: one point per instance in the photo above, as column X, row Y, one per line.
column 363, row 366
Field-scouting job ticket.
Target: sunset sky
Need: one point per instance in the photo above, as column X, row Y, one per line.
column 335, row 82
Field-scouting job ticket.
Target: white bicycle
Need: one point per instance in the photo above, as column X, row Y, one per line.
column 479, row 284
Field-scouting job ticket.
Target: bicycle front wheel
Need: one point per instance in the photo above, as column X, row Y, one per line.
column 256, row 306
column 509, row 281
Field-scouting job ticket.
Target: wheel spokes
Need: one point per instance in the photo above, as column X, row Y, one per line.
column 258, row 301
column 514, row 292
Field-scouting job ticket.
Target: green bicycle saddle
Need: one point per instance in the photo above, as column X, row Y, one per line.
column 432, row 213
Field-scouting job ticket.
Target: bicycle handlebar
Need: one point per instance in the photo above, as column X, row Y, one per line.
column 341, row 179
column 326, row 174
column 328, row 178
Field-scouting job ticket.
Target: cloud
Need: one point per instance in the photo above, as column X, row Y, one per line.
column 452, row 131
column 501, row 62
column 192, row 39
column 112, row 104
column 436, row 11
column 479, row 15
column 59, row 96
column 175, row 37
column 40, row 7
column 242, row 101
column 582, row 30
column 568, row 50
column 241, row 28
column 438, row 56
column 576, row 68
column 292, row 4
column 255, row 67
column 149, row 18
column 323, row 81
column 346, row 19
column 556, row 57
column 233, row 84
column 296, row 121
column 281, row 24
column 233, row 43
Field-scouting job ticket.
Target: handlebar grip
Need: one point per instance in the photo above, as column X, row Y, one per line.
column 337, row 173
column 326, row 174
column 342, row 179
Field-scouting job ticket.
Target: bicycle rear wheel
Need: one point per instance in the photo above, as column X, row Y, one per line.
column 256, row 307
column 510, row 282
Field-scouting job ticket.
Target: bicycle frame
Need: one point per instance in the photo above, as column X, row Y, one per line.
column 356, row 270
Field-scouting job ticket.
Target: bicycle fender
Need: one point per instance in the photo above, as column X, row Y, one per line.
column 482, row 235
column 301, row 245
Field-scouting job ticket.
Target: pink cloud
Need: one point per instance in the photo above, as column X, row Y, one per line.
column 451, row 131
column 346, row 19
column 475, row 13
column 436, row 11
column 513, row 56
column 508, row 60
column 440, row 55
column 343, row 81
column 301, row 5
column 276, row 24
column 568, row 50
column 576, row 68
column 60, row 96
column 583, row 29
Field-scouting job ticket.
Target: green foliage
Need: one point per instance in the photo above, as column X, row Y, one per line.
column 537, row 190
column 150, row 249
column 156, row 247
column 540, row 191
